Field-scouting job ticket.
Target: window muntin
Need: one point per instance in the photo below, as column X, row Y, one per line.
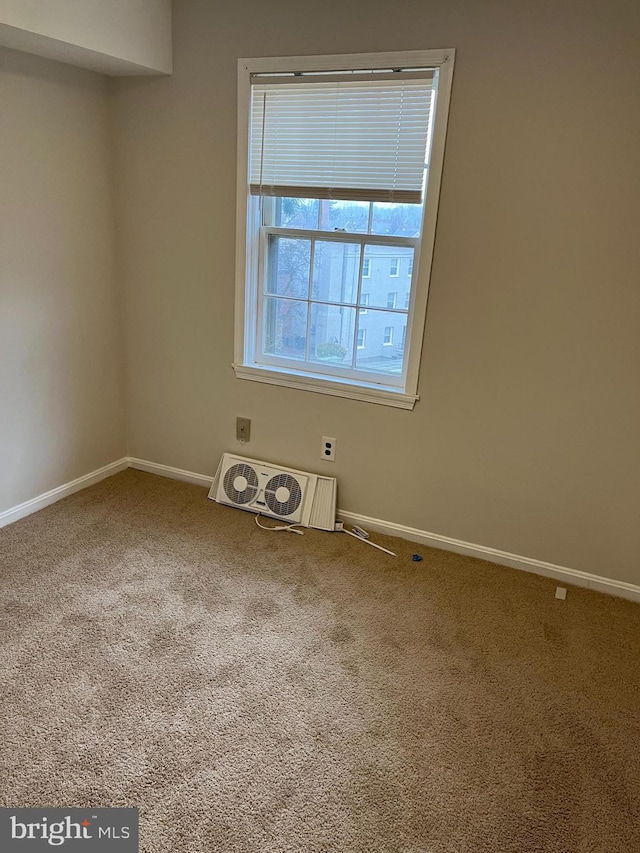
column 288, row 273
column 252, row 232
column 381, row 256
column 285, row 328
column 326, row 272
column 335, row 274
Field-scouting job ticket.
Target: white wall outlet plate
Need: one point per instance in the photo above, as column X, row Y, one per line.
column 328, row 449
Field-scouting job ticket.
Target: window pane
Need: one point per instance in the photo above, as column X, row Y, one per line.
column 288, row 264
column 399, row 220
column 297, row 213
column 381, row 353
column 332, row 331
column 387, row 265
column 344, row 216
column 335, row 271
column 284, row 328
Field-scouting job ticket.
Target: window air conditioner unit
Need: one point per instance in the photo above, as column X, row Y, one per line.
column 297, row 497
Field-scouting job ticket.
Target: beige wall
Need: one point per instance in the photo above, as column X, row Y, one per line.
column 91, row 33
column 526, row 435
column 61, row 370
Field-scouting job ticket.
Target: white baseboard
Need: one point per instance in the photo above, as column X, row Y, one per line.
column 390, row 528
column 40, row 502
column 434, row 540
column 168, row 471
column 493, row 555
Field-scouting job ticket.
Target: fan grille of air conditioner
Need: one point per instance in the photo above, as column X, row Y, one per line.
column 288, row 488
column 241, row 475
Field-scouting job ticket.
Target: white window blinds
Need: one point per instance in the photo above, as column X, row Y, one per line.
column 362, row 140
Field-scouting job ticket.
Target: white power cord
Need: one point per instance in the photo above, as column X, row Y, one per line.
column 357, row 533
column 290, row 528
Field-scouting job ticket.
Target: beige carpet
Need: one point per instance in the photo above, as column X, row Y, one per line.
column 254, row 691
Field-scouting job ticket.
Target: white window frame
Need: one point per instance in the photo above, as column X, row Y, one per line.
column 247, row 226
column 362, row 345
column 387, row 343
column 364, row 303
column 392, row 299
column 366, row 268
column 395, row 264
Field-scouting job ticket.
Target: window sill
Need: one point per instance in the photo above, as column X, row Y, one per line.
column 364, row 391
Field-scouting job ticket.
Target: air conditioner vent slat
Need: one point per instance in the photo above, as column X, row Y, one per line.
column 323, row 512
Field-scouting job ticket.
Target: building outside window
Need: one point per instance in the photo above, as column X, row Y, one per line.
column 310, row 231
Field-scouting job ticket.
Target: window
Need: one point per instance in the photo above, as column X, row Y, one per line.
column 407, row 299
column 314, row 215
column 410, row 267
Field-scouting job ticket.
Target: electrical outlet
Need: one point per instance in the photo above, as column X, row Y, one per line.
column 243, row 429
column 328, row 449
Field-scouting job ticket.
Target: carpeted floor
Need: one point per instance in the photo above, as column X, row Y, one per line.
column 268, row 693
